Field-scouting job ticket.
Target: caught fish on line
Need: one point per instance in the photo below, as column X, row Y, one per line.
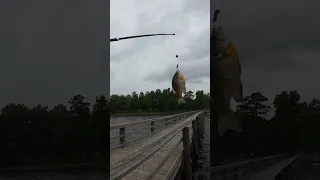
column 226, row 74
column 179, row 85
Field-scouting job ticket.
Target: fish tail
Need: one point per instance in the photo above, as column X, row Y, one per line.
column 181, row 100
column 228, row 121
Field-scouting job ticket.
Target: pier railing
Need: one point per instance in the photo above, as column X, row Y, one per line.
column 165, row 156
column 242, row 169
column 124, row 133
column 245, row 169
column 180, row 148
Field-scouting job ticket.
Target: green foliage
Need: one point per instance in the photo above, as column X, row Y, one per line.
column 40, row 135
column 253, row 105
column 158, row 101
column 294, row 126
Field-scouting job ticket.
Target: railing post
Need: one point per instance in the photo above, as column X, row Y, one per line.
column 291, row 171
column 202, row 121
column 203, row 118
column 122, row 134
column 186, row 154
column 165, row 122
column 195, row 138
column 152, row 126
column 284, row 173
column 198, row 125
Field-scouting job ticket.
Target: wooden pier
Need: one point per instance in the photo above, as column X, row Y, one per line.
column 156, row 148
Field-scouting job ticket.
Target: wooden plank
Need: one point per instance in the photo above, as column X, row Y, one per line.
column 120, row 154
column 153, row 163
column 170, row 168
column 120, row 157
column 117, row 126
column 272, row 171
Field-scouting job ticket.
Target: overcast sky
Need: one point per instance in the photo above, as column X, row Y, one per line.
column 278, row 43
column 52, row 50
column 145, row 64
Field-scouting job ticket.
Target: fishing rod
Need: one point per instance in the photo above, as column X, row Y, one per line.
column 138, row 36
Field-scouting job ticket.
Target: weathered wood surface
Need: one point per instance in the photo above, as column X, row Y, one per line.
column 242, row 169
column 124, row 133
column 272, row 171
column 150, row 157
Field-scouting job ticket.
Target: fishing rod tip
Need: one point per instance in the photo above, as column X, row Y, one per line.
column 174, row 34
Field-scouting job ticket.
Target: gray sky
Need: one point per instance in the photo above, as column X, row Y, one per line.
column 145, row 64
column 52, row 50
column 278, row 43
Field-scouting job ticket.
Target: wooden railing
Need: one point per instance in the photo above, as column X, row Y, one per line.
column 242, row 169
column 188, row 145
column 181, row 139
column 129, row 132
column 246, row 169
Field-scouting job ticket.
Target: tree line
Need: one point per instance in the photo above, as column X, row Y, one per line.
column 40, row 135
column 79, row 132
column 158, row 101
column 294, row 126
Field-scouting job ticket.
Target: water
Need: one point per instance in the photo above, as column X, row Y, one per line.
column 76, row 175
column 202, row 165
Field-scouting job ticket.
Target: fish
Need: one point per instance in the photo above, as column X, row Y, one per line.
column 227, row 84
column 179, row 86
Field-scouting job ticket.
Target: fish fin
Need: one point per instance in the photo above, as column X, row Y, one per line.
column 174, row 92
column 181, row 100
column 183, row 85
column 239, row 93
column 228, row 121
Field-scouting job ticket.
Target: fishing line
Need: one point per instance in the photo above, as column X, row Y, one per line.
column 177, row 61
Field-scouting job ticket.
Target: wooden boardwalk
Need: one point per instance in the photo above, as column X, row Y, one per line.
column 280, row 166
column 157, row 156
column 271, row 172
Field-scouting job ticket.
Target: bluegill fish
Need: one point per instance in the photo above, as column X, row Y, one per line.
column 226, row 74
column 179, row 86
